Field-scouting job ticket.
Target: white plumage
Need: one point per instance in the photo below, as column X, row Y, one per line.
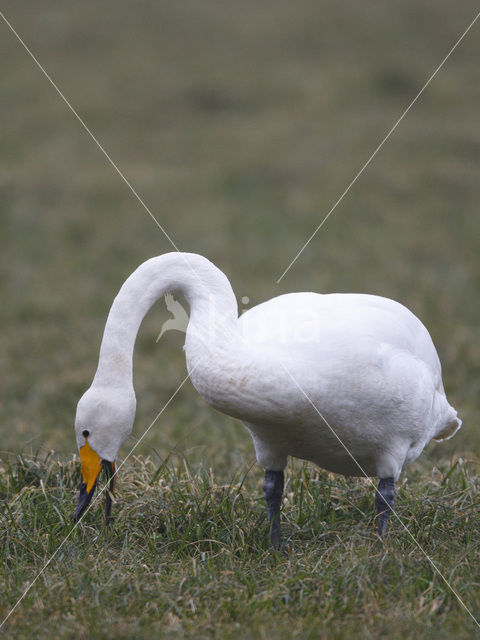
column 350, row 382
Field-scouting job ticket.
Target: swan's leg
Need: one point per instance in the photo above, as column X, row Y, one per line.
column 273, row 488
column 384, row 501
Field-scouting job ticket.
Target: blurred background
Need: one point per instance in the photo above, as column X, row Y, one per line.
column 239, row 124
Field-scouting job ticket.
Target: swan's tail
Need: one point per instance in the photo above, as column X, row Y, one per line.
column 449, row 422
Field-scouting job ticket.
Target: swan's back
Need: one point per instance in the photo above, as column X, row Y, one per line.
column 313, row 325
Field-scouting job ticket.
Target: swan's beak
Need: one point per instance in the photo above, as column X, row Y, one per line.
column 91, row 466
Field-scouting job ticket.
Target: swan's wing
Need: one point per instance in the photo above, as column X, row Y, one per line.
column 322, row 328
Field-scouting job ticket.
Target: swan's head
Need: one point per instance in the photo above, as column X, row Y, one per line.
column 103, row 422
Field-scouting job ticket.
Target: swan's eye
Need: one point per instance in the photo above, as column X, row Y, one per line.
column 85, row 433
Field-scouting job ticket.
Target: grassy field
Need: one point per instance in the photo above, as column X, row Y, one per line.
column 239, row 124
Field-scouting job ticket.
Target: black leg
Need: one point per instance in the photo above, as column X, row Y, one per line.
column 384, row 501
column 273, row 488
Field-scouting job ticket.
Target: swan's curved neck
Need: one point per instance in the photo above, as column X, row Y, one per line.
column 213, row 311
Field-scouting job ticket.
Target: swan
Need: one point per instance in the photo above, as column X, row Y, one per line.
column 350, row 382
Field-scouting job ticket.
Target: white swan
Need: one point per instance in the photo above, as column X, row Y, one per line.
column 350, row 382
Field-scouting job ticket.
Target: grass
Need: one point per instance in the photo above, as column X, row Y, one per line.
column 188, row 557
column 240, row 124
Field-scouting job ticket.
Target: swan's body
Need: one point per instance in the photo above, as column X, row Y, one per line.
column 350, row 382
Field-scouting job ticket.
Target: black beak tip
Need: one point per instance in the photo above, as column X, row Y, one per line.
column 109, row 468
column 83, row 501
column 85, row 497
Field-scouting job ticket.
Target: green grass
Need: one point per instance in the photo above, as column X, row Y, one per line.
column 188, row 557
column 240, row 124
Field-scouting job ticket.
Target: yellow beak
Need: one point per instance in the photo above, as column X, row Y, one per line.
column 91, row 465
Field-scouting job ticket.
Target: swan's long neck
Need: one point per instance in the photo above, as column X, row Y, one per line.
column 213, row 311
